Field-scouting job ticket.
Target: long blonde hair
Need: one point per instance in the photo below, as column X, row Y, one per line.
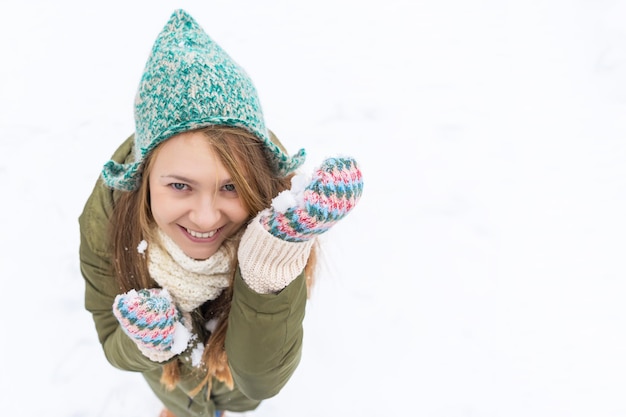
column 243, row 156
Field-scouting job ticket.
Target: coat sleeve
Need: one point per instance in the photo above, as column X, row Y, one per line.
column 264, row 337
column 97, row 270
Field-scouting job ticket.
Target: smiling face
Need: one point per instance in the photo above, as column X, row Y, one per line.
column 193, row 198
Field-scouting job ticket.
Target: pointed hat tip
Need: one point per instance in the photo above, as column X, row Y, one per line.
column 180, row 15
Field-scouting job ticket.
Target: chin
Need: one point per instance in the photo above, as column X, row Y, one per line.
column 200, row 255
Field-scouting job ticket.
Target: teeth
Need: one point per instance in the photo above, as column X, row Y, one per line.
column 201, row 235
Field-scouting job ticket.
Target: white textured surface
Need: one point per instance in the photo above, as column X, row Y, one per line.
column 482, row 273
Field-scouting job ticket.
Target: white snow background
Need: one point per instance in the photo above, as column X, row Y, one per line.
column 482, row 274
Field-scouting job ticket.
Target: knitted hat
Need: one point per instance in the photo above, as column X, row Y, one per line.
column 190, row 82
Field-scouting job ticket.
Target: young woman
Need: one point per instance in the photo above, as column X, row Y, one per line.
column 198, row 242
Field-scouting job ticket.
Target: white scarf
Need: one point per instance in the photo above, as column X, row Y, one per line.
column 189, row 281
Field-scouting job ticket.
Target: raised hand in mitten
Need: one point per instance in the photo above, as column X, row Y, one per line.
column 153, row 322
column 276, row 245
column 300, row 214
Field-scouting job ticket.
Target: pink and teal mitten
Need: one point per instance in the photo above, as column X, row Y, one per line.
column 333, row 191
column 153, row 322
column 275, row 246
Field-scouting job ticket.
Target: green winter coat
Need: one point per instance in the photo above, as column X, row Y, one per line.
column 263, row 342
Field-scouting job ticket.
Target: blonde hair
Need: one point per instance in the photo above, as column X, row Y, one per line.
column 244, row 157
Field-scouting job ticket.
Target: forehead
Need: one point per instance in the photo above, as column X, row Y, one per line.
column 189, row 154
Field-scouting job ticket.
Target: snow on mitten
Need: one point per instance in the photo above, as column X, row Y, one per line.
column 153, row 322
column 275, row 246
column 334, row 190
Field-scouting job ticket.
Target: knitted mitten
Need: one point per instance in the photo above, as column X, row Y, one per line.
column 276, row 244
column 333, row 191
column 153, row 322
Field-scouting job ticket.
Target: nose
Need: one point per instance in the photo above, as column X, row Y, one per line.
column 205, row 214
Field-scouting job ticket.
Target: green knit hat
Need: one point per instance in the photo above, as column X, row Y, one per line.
column 190, row 82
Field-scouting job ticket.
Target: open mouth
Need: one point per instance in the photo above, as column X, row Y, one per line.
column 201, row 235
column 196, row 235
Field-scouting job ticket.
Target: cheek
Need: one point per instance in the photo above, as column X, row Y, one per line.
column 238, row 213
column 163, row 210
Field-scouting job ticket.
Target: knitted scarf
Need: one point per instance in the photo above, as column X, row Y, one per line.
column 189, row 281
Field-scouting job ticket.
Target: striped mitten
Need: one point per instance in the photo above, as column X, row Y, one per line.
column 275, row 246
column 153, row 322
column 333, row 191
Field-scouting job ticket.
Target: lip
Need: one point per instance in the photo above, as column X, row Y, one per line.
column 194, row 239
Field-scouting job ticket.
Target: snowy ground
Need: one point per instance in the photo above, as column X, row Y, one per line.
column 483, row 273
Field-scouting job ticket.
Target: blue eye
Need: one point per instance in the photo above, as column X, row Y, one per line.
column 229, row 187
column 178, row 186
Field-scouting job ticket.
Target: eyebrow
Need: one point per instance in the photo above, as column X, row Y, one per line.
column 192, row 182
column 179, row 178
